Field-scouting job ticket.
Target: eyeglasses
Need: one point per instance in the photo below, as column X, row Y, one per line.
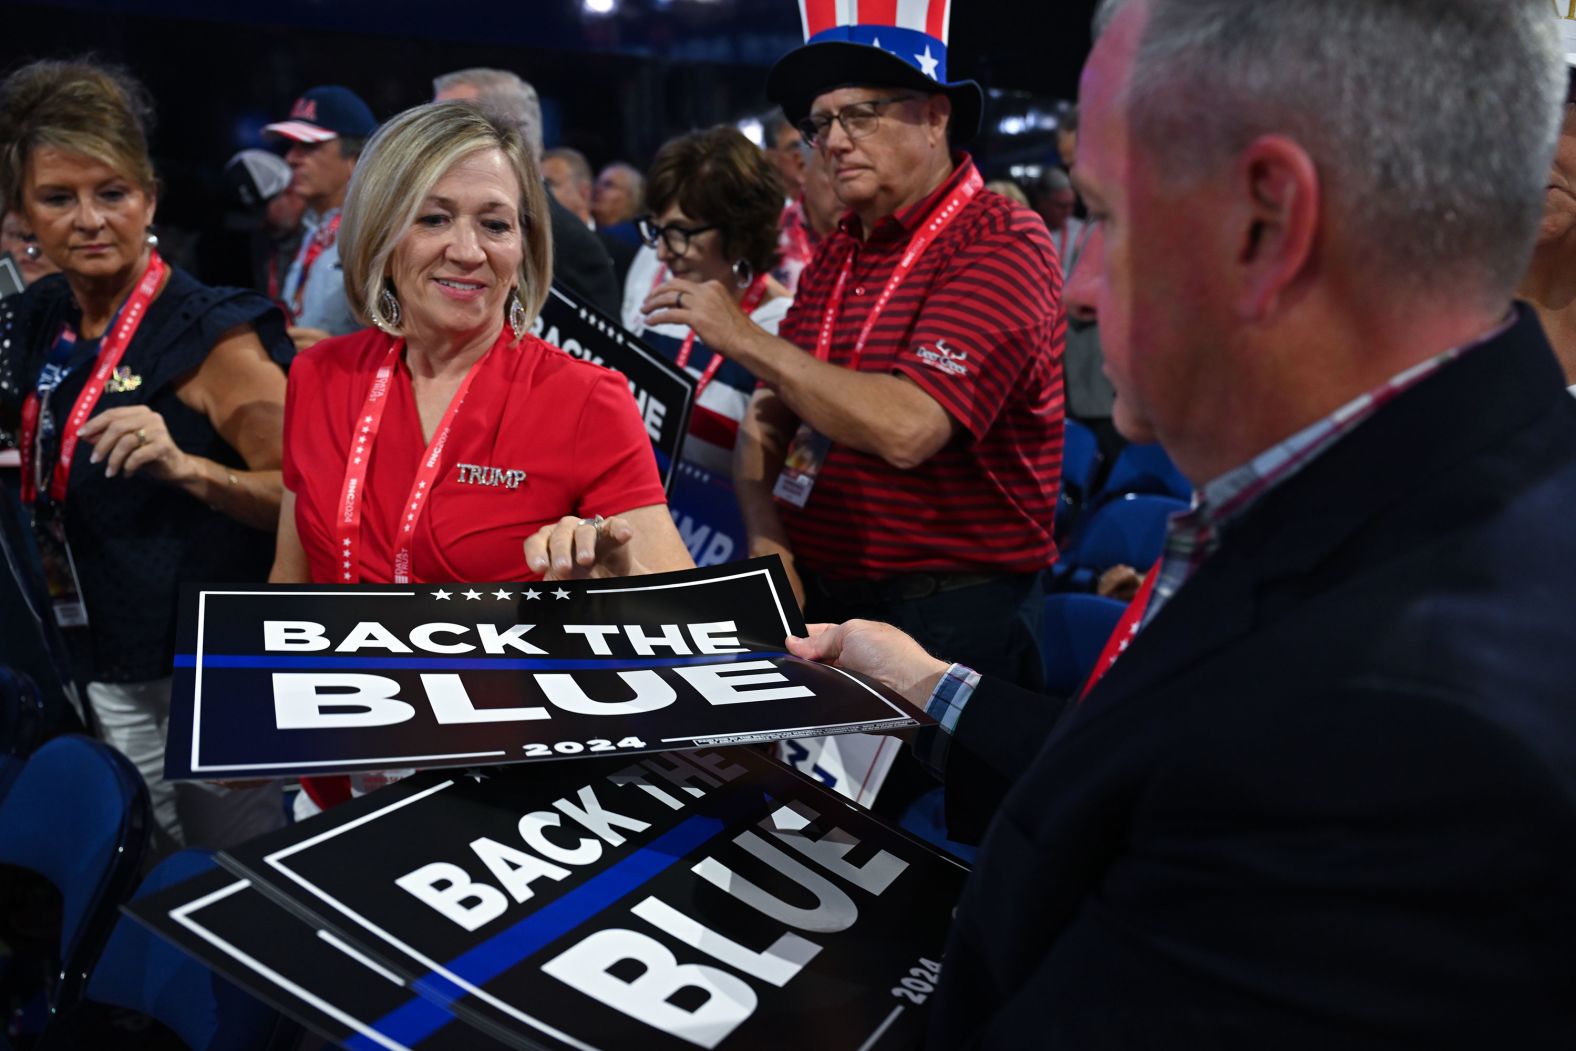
column 859, row 120
column 676, row 237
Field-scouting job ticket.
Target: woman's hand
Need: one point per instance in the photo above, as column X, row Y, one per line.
column 707, row 308
column 134, row 440
column 581, row 548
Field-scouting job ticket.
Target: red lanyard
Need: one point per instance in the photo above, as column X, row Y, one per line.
column 111, row 350
column 321, row 239
column 752, row 299
column 368, row 423
column 939, row 221
column 1125, row 630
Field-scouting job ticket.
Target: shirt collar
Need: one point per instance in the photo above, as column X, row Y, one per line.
column 1230, row 495
column 904, row 221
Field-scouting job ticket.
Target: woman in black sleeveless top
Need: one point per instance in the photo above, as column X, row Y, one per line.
column 152, row 409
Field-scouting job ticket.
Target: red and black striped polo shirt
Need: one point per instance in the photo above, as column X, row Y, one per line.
column 978, row 325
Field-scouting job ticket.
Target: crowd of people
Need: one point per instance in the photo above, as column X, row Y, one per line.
column 1321, row 786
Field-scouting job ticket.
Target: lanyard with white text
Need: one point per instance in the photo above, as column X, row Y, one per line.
column 352, row 497
column 322, row 237
column 939, row 220
column 111, row 350
column 752, row 299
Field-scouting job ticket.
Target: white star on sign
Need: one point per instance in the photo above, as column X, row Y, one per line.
column 533, row 593
column 472, row 594
column 928, row 63
column 501, row 594
column 560, row 593
column 441, row 594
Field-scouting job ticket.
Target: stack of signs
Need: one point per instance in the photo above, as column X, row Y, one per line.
column 707, row 898
column 664, row 393
column 288, row 680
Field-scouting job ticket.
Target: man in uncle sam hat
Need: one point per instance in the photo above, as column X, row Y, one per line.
column 904, row 451
column 1319, row 790
column 1550, row 282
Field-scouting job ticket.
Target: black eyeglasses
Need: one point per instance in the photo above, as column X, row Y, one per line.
column 676, row 237
column 859, row 120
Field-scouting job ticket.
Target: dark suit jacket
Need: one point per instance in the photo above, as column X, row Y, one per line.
column 1327, row 798
column 622, row 253
column 580, row 261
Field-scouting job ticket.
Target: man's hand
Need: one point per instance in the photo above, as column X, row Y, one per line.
column 1119, row 582
column 880, row 651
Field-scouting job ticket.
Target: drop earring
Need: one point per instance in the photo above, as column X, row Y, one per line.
column 518, row 322
column 744, row 273
column 152, row 239
column 32, row 251
column 387, row 315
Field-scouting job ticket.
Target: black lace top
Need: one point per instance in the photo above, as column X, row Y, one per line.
column 135, row 540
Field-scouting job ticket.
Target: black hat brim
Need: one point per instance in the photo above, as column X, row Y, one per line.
column 806, row 73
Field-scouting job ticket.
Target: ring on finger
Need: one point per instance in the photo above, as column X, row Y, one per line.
column 595, row 523
column 142, row 436
column 678, row 301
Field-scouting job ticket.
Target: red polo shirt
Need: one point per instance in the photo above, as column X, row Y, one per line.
column 572, row 427
column 978, row 325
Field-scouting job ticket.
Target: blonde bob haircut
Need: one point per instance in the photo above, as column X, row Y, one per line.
column 397, row 171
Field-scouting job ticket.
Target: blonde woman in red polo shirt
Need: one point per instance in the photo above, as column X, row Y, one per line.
column 447, row 443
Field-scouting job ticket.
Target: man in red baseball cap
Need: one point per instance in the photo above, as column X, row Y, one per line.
column 327, row 128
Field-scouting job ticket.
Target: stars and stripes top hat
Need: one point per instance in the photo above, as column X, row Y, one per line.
column 874, row 43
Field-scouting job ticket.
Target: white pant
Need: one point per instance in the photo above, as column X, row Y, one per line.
column 133, row 718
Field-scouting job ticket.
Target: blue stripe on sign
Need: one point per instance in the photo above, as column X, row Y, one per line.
column 233, row 660
column 410, row 1025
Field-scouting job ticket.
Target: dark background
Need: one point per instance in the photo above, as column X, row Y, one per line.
column 615, row 86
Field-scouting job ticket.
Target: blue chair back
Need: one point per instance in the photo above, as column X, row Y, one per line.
column 1145, row 469
column 1074, row 632
column 1080, row 460
column 926, row 819
column 22, row 714
column 147, row 974
column 77, row 815
column 1127, row 531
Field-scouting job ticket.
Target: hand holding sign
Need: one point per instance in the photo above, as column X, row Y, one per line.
column 879, row 651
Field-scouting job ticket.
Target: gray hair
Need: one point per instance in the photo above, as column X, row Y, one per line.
column 637, row 183
column 501, row 91
column 404, row 160
column 1054, row 180
column 1432, row 122
column 579, row 166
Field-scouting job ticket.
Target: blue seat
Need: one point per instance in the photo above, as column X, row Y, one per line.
column 147, row 974
column 1145, row 469
column 1129, row 530
column 926, row 818
column 22, row 713
column 77, row 815
column 1075, row 630
column 1080, row 466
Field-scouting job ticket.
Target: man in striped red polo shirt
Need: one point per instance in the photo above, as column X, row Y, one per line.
column 904, row 450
